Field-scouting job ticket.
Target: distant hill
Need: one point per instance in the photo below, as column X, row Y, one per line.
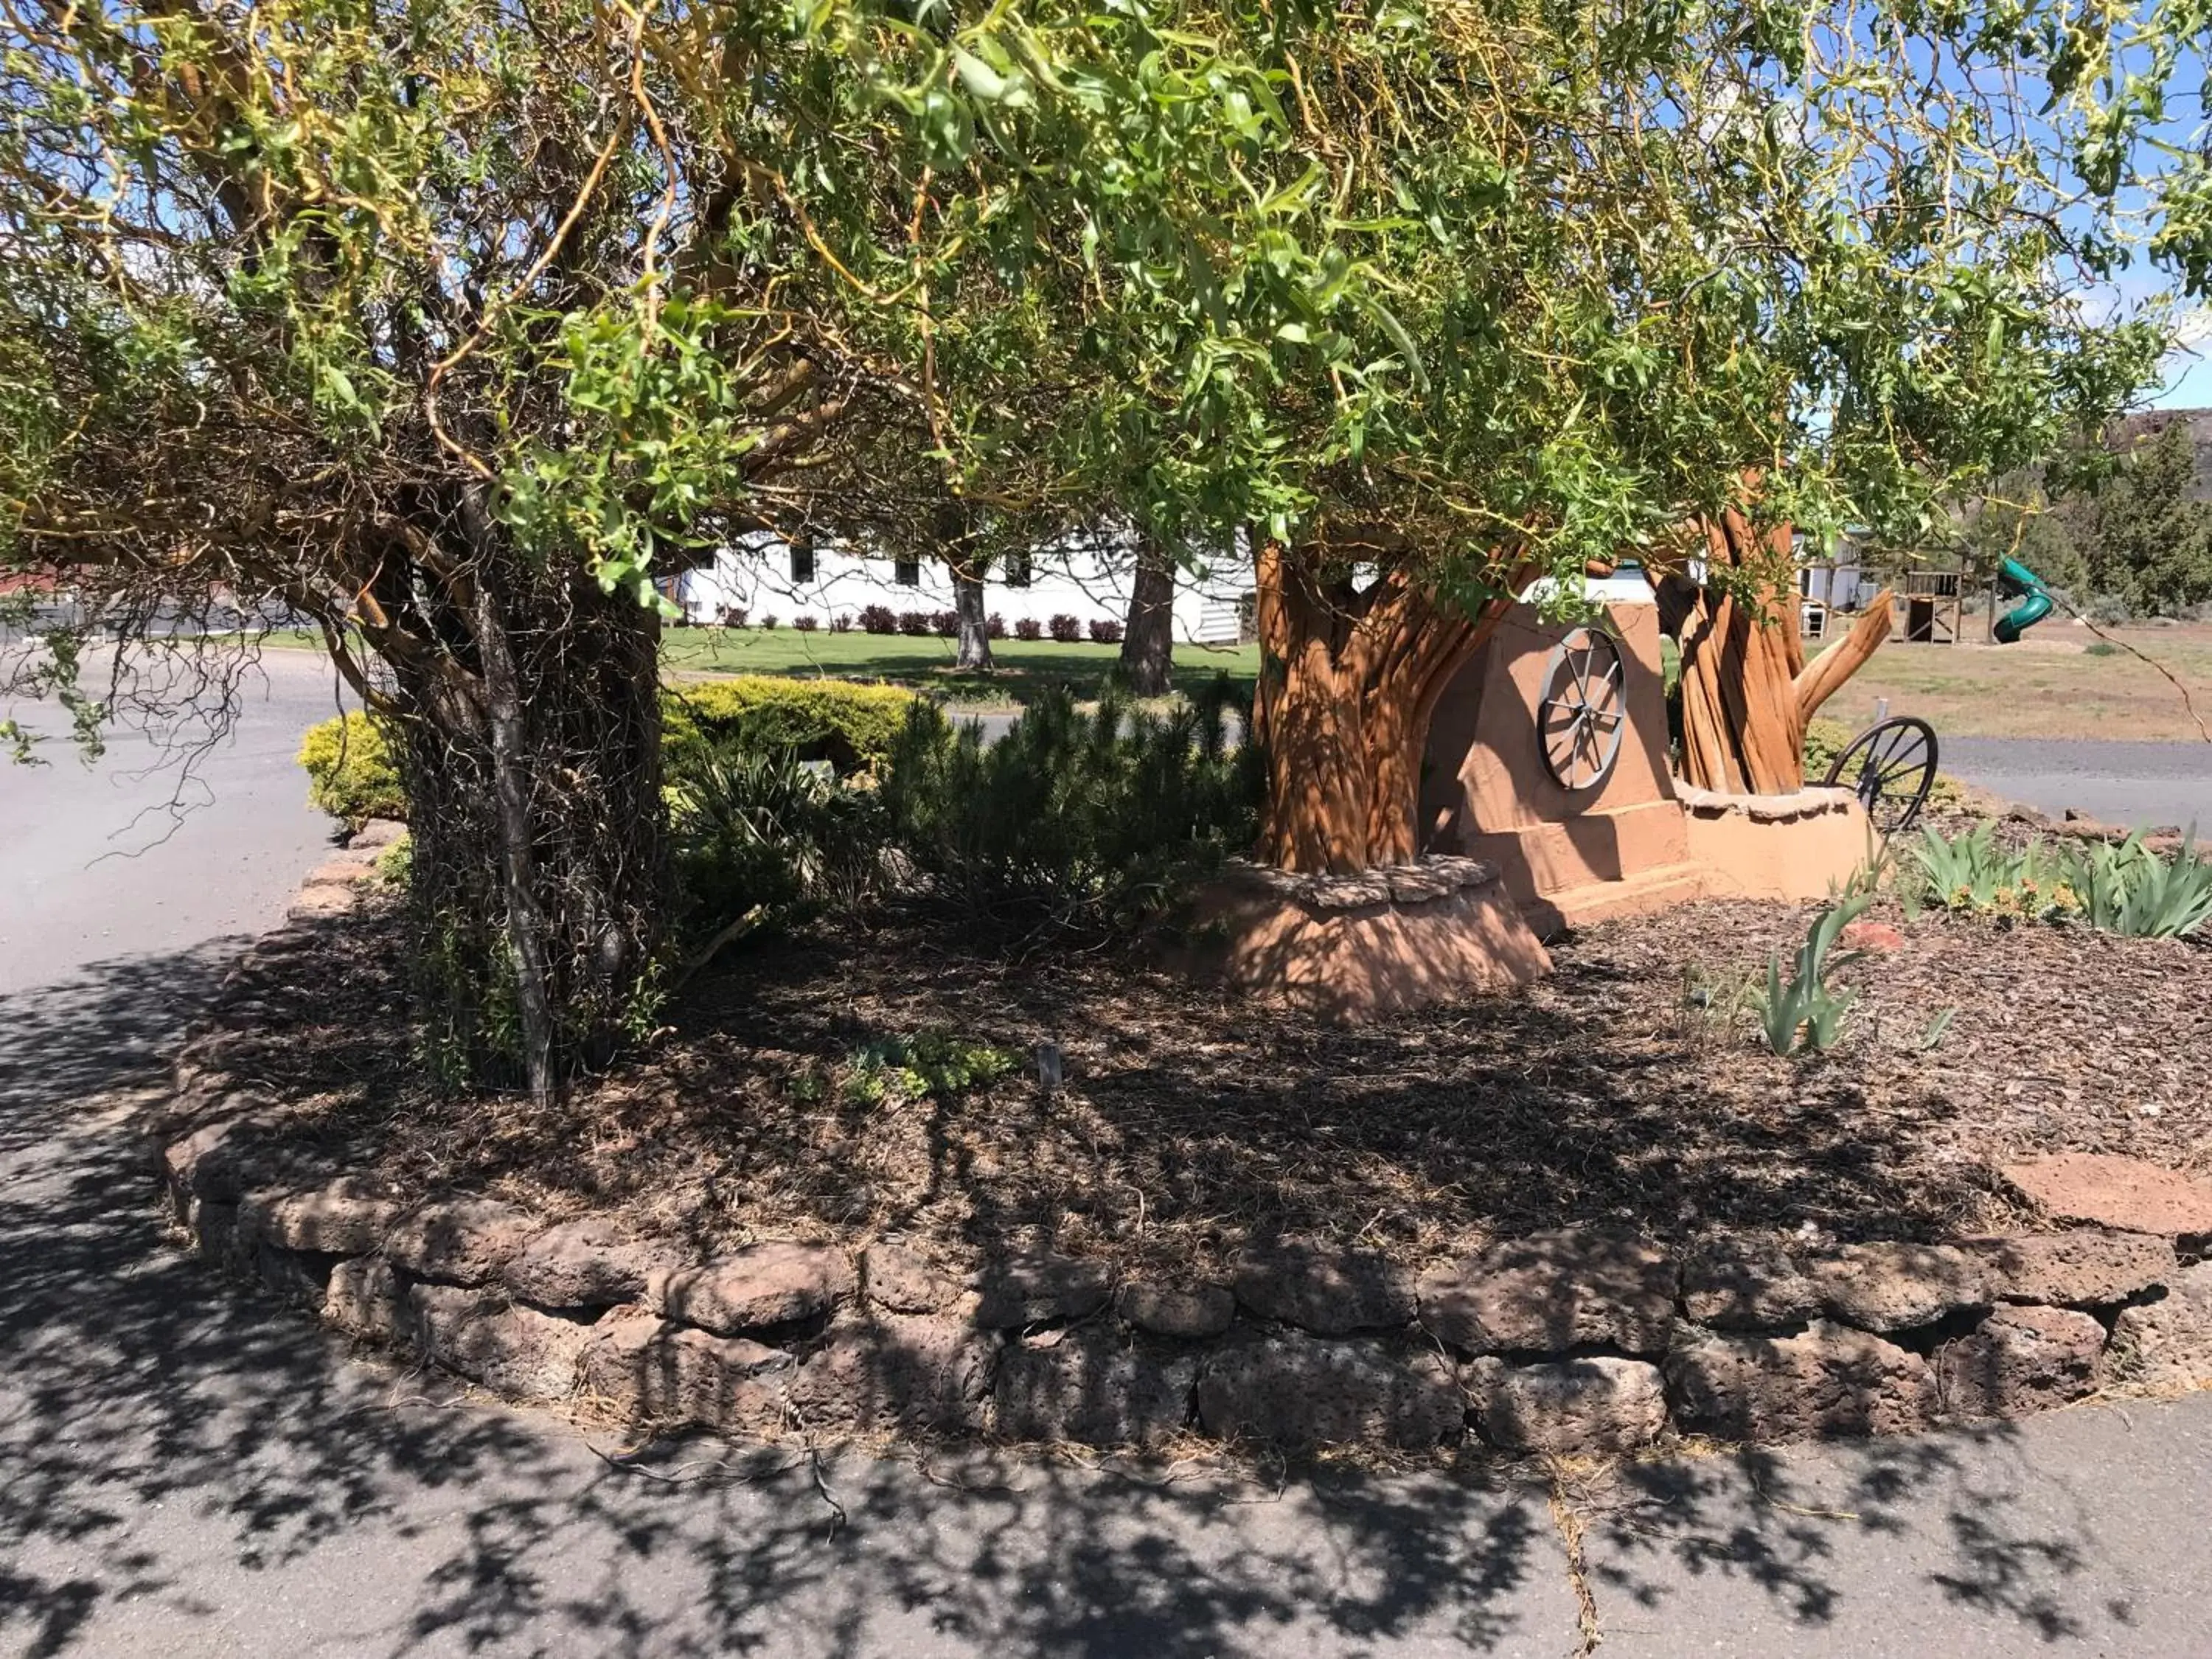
column 2151, row 423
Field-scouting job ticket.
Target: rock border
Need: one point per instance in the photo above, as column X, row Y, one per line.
column 1433, row 876
column 1812, row 801
column 1590, row 1339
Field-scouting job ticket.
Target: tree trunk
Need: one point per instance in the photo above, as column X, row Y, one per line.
column 974, row 626
column 510, row 790
column 1748, row 693
column 1148, row 640
column 1348, row 680
column 538, row 882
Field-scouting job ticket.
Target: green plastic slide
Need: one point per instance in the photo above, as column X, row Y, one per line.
column 2016, row 581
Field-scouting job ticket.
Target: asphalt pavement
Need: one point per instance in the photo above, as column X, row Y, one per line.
column 2146, row 784
column 185, row 829
column 186, row 1470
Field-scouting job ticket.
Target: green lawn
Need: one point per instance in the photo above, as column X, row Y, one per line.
column 1024, row 667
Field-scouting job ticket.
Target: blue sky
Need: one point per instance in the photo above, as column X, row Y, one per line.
column 2189, row 373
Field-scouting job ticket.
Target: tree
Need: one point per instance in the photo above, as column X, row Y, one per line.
column 1580, row 282
column 1147, row 663
column 1747, row 692
column 455, row 323
column 2143, row 538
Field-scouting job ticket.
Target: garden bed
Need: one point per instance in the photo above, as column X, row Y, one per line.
column 1629, row 1087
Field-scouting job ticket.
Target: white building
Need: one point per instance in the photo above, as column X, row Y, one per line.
column 765, row 578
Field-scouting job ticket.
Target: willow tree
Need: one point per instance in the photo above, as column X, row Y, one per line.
column 1439, row 300
column 1603, row 272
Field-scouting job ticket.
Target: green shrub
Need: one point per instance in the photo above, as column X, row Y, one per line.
column 351, row 774
column 1083, row 819
column 762, row 836
column 850, row 725
column 1825, row 739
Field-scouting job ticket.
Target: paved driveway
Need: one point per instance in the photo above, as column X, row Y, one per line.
column 183, row 1471
column 2126, row 783
column 174, row 837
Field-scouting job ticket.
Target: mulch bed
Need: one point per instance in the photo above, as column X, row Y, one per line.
column 1629, row 1085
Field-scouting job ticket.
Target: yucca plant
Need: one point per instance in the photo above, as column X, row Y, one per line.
column 761, row 834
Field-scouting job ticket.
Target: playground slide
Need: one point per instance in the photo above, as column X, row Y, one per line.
column 2016, row 581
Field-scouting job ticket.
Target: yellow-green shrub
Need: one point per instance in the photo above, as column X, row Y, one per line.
column 352, row 774
column 850, row 725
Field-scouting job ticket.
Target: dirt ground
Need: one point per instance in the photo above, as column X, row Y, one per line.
column 1630, row 1084
column 2057, row 682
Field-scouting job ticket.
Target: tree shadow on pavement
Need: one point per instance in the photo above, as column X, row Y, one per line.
column 186, row 1467
column 2025, row 1537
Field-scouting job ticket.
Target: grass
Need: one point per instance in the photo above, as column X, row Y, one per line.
column 2054, row 684
column 1024, row 667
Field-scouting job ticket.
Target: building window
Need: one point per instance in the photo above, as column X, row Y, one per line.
column 906, row 572
column 802, row 564
column 1019, row 567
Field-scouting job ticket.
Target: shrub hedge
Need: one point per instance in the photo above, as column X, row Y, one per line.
column 1091, row 820
column 351, row 774
column 850, row 725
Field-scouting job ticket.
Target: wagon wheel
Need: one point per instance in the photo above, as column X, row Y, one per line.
column 1891, row 768
column 1583, row 709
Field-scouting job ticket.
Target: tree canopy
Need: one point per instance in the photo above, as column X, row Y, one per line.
column 1495, row 273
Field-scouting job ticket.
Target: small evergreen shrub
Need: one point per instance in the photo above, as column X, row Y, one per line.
column 1090, row 821
column 1065, row 629
column 352, row 773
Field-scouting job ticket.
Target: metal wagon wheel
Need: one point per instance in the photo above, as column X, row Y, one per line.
column 1891, row 768
column 1583, row 709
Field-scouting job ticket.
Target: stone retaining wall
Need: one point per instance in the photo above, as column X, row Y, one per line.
column 1585, row 1339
